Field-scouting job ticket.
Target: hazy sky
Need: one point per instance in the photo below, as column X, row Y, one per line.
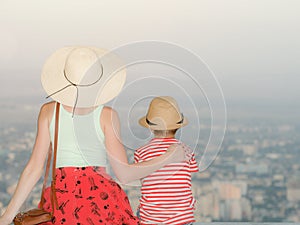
column 252, row 46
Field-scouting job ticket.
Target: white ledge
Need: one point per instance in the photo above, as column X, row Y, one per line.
column 243, row 223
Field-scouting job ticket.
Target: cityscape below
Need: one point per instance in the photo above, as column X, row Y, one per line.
column 255, row 177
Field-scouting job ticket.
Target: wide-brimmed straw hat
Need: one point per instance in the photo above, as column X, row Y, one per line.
column 163, row 114
column 83, row 76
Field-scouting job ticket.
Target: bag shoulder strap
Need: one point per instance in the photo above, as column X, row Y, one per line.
column 46, row 176
column 53, row 183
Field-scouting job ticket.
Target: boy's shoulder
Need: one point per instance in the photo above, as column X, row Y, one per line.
column 143, row 147
column 158, row 142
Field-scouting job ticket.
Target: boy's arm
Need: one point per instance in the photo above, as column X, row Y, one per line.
column 193, row 165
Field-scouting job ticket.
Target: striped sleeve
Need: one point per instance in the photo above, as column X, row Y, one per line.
column 193, row 165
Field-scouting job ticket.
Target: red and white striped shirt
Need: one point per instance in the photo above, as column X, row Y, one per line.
column 166, row 194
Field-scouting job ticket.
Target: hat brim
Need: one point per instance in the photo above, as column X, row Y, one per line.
column 108, row 87
column 143, row 122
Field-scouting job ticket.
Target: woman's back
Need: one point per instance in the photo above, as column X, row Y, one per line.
column 85, row 192
column 80, row 139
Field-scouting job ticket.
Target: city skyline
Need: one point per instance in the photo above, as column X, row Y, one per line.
column 254, row 177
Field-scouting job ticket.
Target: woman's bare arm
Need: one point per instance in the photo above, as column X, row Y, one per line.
column 34, row 168
column 124, row 171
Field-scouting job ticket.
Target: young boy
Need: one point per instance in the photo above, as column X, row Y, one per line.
column 166, row 195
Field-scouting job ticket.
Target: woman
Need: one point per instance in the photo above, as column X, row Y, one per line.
column 80, row 78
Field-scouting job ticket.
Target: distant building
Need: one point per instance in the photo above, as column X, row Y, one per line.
column 229, row 191
column 293, row 190
column 232, row 205
column 252, row 168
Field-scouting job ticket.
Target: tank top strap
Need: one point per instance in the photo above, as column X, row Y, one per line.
column 97, row 114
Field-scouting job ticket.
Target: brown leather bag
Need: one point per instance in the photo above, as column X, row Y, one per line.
column 33, row 216
column 39, row 215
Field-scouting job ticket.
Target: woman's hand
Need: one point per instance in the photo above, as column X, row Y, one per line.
column 181, row 152
column 5, row 221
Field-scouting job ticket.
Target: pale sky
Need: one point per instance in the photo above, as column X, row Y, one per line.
column 252, row 46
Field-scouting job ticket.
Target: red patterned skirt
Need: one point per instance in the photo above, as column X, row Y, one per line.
column 88, row 196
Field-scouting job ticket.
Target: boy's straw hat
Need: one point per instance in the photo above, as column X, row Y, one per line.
column 163, row 114
column 83, row 76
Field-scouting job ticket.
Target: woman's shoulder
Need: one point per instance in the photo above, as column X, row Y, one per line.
column 47, row 107
column 109, row 113
column 46, row 110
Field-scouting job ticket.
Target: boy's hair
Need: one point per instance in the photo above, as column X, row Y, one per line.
column 164, row 132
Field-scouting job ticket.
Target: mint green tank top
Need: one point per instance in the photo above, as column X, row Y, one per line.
column 80, row 139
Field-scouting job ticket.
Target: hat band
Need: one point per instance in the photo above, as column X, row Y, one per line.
column 153, row 124
column 182, row 118
column 149, row 122
column 76, row 86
